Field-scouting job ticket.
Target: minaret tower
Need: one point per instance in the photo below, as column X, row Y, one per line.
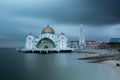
column 82, row 37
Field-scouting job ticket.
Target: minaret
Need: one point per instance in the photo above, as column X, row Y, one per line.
column 81, row 38
column 62, row 41
column 29, row 41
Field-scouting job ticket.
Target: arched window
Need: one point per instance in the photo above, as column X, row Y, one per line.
column 41, row 36
column 62, row 37
column 48, row 36
column 29, row 38
column 52, row 36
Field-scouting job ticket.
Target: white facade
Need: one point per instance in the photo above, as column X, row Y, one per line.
column 46, row 40
column 29, row 41
column 63, row 41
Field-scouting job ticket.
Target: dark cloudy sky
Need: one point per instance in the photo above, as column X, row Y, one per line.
column 100, row 18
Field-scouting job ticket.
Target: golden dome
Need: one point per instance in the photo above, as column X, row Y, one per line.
column 47, row 30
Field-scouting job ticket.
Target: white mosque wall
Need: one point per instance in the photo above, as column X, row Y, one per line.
column 50, row 36
column 29, row 42
column 62, row 41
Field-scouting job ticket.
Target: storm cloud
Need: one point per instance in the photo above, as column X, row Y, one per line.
column 100, row 18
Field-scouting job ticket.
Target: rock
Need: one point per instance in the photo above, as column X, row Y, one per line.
column 117, row 64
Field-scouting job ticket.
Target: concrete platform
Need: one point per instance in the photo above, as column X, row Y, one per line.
column 45, row 51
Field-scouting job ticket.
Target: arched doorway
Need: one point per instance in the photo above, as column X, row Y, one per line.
column 45, row 43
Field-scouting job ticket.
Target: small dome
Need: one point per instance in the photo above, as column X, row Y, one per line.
column 47, row 29
column 62, row 33
column 30, row 33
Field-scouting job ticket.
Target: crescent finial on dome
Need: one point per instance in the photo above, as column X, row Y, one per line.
column 48, row 25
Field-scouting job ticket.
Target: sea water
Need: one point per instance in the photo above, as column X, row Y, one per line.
column 59, row 66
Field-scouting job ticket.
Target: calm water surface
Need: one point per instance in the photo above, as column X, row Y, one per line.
column 19, row 66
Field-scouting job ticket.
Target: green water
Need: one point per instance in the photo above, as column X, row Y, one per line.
column 63, row 66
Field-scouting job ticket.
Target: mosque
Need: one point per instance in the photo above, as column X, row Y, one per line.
column 47, row 41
